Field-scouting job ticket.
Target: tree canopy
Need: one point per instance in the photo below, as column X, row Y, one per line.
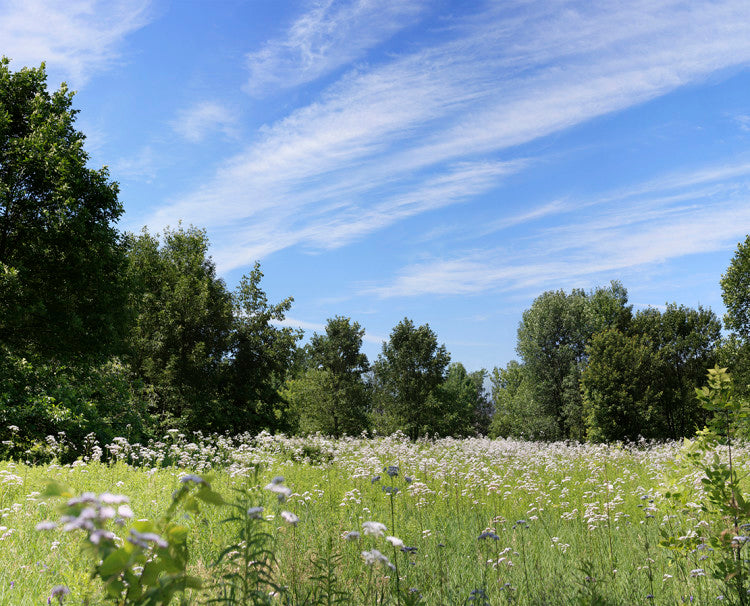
column 61, row 258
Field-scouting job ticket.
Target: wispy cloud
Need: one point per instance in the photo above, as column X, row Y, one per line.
column 75, row 38
column 202, row 119
column 412, row 134
column 330, row 35
column 141, row 166
column 653, row 224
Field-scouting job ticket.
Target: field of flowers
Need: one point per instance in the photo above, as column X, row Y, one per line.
column 369, row 521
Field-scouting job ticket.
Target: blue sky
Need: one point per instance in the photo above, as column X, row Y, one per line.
column 443, row 160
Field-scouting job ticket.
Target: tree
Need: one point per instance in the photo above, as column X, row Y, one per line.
column 61, row 259
column 407, row 373
column 337, row 363
column 260, row 357
column 735, row 292
column 685, row 342
column 620, row 384
column 516, row 413
column 461, row 403
column 319, row 403
column 552, row 339
column 183, row 322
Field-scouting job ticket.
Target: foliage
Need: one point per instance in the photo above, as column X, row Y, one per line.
column 61, row 259
column 735, row 292
column 461, row 403
column 407, row 374
column 45, row 399
column 684, row 342
column 320, row 403
column 552, row 339
column 214, row 359
column 724, row 500
column 182, row 322
column 149, row 566
column 619, row 387
column 331, row 396
column 260, row 356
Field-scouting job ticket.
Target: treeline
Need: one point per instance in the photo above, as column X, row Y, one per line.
column 132, row 334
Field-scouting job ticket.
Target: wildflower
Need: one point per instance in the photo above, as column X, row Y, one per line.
column 487, row 534
column 14, row 428
column 391, row 470
column 277, row 480
column 255, row 512
column 97, row 535
column 375, row 479
column 390, row 490
column 374, row 528
column 281, row 491
column 409, row 549
column 46, row 525
column 697, row 572
column 289, row 518
column 191, row 477
column 395, row 541
column 124, row 511
column 374, row 556
column 113, row 499
column 142, row 539
column 59, row 592
column 352, row 535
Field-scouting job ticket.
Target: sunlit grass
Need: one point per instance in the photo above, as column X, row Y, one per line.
column 559, row 523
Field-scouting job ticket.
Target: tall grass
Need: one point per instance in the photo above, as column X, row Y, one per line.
column 470, row 521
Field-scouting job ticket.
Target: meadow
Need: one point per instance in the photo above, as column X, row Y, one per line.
column 472, row 521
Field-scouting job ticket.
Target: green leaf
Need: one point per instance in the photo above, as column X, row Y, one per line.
column 207, row 495
column 114, row 563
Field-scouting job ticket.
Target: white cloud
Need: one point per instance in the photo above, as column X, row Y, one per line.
column 202, row 119
column 75, row 38
column 652, row 224
column 141, row 166
column 330, row 35
column 389, row 142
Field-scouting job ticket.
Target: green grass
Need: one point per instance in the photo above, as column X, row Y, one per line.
column 574, row 523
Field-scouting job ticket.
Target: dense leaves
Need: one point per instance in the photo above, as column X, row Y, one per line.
column 407, row 375
column 61, row 258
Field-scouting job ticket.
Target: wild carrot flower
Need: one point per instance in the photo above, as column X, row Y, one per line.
column 374, row 528
column 281, row 491
column 289, row 518
column 395, row 541
column 374, row 556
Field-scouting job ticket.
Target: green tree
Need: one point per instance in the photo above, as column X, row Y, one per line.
column 61, row 259
column 182, row 325
column 337, row 360
column 406, row 375
column 685, row 342
column 261, row 354
column 460, row 402
column 735, row 292
column 317, row 403
column 620, row 384
column 552, row 340
column 516, row 413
